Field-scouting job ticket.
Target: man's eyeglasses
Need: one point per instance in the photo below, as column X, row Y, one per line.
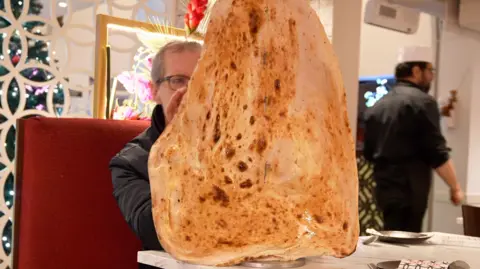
column 175, row 82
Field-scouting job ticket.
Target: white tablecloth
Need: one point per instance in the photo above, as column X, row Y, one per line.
column 436, row 249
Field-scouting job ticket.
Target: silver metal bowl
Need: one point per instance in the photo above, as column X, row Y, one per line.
column 403, row 237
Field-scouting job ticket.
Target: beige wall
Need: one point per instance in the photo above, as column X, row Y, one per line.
column 459, row 68
column 379, row 46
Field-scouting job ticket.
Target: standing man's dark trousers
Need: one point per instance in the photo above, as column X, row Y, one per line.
column 402, row 195
column 402, row 218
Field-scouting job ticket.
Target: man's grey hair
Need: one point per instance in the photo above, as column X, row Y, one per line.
column 158, row 65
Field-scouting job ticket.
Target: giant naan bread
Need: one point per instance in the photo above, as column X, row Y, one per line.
column 259, row 162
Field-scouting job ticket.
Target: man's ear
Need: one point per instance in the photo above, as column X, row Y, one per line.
column 154, row 91
column 416, row 72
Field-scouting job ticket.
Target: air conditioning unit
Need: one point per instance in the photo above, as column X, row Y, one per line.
column 392, row 16
column 469, row 11
column 436, row 8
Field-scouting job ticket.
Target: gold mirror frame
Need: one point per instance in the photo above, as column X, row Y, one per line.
column 102, row 51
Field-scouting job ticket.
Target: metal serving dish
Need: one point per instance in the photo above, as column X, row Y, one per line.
column 403, row 237
column 388, row 265
column 275, row 264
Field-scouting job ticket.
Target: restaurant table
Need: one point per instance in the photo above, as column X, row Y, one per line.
column 441, row 247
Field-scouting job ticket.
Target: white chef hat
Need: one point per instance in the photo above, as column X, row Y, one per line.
column 415, row 54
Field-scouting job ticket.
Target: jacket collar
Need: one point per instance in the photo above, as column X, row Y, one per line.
column 406, row 83
column 157, row 124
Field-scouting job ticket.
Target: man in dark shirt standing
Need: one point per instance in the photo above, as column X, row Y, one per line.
column 404, row 142
column 171, row 70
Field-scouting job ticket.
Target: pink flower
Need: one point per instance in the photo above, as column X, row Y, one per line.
column 127, row 81
column 149, row 62
column 136, row 84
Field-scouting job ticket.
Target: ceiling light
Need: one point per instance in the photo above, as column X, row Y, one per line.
column 62, row 4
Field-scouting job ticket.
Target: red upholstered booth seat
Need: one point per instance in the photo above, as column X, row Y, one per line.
column 65, row 213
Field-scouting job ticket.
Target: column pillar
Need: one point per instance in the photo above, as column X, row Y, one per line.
column 347, row 21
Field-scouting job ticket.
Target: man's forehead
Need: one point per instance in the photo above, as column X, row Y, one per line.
column 180, row 61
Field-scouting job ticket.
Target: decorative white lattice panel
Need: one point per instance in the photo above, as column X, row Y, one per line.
column 47, row 69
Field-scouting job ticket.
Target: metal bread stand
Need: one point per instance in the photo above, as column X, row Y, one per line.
column 275, row 264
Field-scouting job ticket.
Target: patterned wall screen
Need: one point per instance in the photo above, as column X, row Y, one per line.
column 46, row 69
column 370, row 216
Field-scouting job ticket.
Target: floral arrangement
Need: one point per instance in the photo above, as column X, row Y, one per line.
column 137, row 80
column 137, row 83
column 194, row 15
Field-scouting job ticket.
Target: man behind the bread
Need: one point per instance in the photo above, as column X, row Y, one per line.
column 172, row 68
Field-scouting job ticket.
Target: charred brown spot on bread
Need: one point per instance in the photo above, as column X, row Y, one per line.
column 228, row 180
column 345, row 226
column 208, row 115
column 245, row 107
column 217, row 133
column 329, row 214
column 254, row 20
column 201, row 178
column 273, row 13
column 225, row 114
column 220, row 196
column 264, row 58
column 224, row 242
column 233, row 66
column 246, row 184
column 222, row 223
column 292, row 26
column 246, row 196
column 318, row 219
column 201, row 199
column 187, row 238
column 252, row 120
column 299, row 216
column 242, row 166
column 229, row 152
column 277, row 85
column 250, row 159
column 261, row 145
column 239, row 136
